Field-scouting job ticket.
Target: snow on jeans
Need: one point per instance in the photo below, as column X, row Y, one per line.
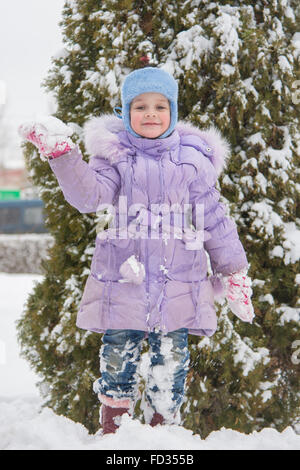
column 168, row 365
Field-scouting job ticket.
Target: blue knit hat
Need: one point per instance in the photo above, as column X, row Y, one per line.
column 145, row 80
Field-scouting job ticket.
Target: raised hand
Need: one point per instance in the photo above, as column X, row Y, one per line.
column 50, row 135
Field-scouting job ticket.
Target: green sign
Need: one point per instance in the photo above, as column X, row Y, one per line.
column 9, row 194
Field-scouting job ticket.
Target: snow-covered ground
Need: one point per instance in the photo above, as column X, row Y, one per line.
column 25, row 425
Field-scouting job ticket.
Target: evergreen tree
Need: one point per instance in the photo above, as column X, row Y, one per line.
column 246, row 89
column 236, row 64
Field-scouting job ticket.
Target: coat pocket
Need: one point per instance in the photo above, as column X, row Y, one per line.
column 206, row 315
column 93, row 309
column 109, row 304
column 185, row 309
column 108, row 257
column 179, row 305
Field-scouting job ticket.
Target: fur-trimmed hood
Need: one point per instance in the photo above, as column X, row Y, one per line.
column 101, row 138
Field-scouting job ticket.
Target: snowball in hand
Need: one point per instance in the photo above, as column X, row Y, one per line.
column 45, row 125
column 50, row 135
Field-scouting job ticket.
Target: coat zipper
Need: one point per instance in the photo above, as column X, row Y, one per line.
column 146, row 246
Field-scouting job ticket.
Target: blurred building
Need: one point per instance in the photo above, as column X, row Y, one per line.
column 15, row 184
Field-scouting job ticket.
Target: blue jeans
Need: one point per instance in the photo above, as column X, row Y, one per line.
column 164, row 369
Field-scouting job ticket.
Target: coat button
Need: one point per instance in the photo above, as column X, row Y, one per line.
column 208, row 149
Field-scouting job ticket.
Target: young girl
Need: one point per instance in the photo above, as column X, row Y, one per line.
column 155, row 174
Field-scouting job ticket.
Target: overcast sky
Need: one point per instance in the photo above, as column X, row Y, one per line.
column 29, row 36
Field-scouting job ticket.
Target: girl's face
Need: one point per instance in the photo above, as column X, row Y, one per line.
column 150, row 115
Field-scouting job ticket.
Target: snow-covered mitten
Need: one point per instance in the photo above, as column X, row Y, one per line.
column 132, row 270
column 50, row 135
column 238, row 293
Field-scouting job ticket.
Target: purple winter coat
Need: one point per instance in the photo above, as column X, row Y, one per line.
column 183, row 169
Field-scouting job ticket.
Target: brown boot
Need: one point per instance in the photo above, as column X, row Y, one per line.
column 108, row 415
column 157, row 418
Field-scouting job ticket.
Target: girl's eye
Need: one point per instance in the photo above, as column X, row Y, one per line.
column 141, row 108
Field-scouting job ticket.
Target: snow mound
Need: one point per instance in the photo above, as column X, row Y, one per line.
column 24, row 425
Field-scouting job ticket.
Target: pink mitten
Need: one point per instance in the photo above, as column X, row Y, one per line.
column 50, row 135
column 132, row 270
column 238, row 293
